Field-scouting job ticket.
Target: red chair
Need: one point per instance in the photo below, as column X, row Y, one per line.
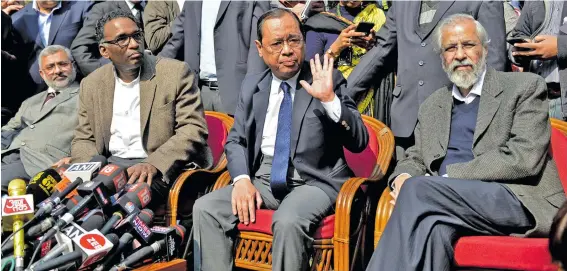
column 333, row 242
column 192, row 184
column 500, row 252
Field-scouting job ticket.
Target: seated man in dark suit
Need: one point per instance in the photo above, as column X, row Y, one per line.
column 285, row 150
column 41, row 132
column 483, row 148
column 44, row 23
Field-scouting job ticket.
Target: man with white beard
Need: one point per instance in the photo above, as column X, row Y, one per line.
column 40, row 133
column 480, row 163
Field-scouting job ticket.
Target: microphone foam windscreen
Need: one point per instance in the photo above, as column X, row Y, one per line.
column 42, row 185
column 93, row 222
column 101, row 159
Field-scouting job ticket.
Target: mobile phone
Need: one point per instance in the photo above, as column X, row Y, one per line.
column 513, row 41
column 364, row 27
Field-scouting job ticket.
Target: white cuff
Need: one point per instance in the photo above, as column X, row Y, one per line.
column 333, row 109
column 240, row 177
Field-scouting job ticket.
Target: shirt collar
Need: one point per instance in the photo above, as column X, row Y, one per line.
column 135, row 81
column 292, row 82
column 51, row 90
column 34, row 6
column 476, row 89
column 130, row 4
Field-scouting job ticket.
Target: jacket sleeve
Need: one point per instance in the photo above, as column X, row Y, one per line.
column 189, row 142
column 236, row 143
column 255, row 63
column 524, row 155
column 491, row 16
column 157, row 28
column 523, row 29
column 83, row 146
column 13, row 127
column 85, row 45
column 412, row 163
column 174, row 47
column 363, row 76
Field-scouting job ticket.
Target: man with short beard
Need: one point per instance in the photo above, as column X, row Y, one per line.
column 480, row 163
column 41, row 132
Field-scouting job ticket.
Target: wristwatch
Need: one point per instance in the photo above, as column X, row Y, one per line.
column 330, row 53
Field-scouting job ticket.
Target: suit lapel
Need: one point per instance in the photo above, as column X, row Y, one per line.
column 443, row 119
column 442, row 9
column 301, row 102
column 106, row 102
column 58, row 17
column 222, row 10
column 415, row 6
column 260, row 102
column 63, row 96
column 147, row 90
column 31, row 21
column 489, row 103
column 197, row 9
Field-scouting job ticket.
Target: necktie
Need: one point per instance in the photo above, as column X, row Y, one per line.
column 139, row 8
column 50, row 95
column 278, row 177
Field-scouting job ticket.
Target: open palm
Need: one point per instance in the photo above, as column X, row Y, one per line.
column 322, row 86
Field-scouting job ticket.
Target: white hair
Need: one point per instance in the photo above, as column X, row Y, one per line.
column 456, row 18
column 53, row 49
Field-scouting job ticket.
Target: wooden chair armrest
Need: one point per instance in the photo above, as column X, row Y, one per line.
column 200, row 181
column 383, row 212
column 222, row 181
column 343, row 209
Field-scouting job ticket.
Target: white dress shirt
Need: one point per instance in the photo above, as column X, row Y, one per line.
column 208, row 66
column 476, row 90
column 332, row 108
column 44, row 22
column 180, row 4
column 125, row 130
column 131, row 6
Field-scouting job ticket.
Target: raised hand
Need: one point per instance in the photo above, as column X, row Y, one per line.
column 322, row 86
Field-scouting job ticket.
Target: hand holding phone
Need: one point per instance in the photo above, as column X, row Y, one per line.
column 364, row 27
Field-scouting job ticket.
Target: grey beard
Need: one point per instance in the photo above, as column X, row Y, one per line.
column 62, row 85
column 465, row 79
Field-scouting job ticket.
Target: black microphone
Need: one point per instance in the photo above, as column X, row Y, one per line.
column 90, row 248
column 47, row 206
column 42, row 185
column 136, row 198
column 126, row 239
column 166, row 245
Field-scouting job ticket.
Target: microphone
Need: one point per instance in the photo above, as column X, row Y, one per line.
column 170, row 238
column 42, row 185
column 18, row 206
column 86, row 170
column 111, row 179
column 91, row 247
column 146, row 216
column 128, row 204
column 47, row 206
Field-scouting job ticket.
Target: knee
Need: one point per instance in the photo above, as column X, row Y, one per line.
column 201, row 204
column 416, row 186
column 286, row 222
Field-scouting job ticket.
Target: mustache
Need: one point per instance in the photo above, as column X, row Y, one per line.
column 456, row 63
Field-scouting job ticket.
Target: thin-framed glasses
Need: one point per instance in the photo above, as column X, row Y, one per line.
column 64, row 65
column 278, row 45
column 466, row 46
column 123, row 40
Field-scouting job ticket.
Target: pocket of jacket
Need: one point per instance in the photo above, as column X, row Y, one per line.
column 397, row 90
column 556, row 199
column 56, row 152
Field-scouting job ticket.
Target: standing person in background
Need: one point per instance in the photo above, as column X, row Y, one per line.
column 158, row 21
column 298, row 7
column 217, row 38
column 333, row 33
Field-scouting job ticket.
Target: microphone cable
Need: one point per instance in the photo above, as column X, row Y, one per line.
column 37, row 249
column 14, row 232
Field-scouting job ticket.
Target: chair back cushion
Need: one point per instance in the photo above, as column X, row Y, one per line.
column 363, row 164
column 559, row 154
column 217, row 137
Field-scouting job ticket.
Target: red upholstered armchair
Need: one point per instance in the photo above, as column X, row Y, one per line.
column 192, row 184
column 338, row 232
column 499, row 252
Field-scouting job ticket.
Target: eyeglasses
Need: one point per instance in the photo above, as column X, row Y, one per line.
column 278, row 45
column 453, row 48
column 123, row 40
column 64, row 65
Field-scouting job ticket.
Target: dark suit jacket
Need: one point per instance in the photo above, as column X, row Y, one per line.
column 65, row 24
column 317, row 141
column 529, row 25
column 85, row 46
column 419, row 66
column 510, row 146
column 235, row 51
column 173, row 127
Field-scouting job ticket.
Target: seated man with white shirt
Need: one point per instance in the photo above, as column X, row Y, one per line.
column 480, row 163
column 285, row 151
column 141, row 111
